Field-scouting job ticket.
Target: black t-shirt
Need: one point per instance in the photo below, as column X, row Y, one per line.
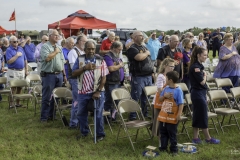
column 196, row 76
column 166, row 52
column 206, row 37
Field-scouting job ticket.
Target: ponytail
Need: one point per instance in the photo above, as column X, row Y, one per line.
column 196, row 50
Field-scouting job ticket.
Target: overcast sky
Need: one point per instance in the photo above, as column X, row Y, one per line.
column 141, row 14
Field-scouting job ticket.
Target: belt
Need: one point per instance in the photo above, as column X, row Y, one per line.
column 52, row 72
column 15, row 69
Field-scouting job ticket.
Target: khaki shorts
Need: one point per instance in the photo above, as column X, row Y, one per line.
column 14, row 74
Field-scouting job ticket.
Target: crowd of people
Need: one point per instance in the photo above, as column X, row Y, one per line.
column 163, row 61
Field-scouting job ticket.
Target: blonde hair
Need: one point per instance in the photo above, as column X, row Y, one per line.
column 227, row 35
column 166, row 38
column 185, row 42
column 117, row 38
column 164, row 63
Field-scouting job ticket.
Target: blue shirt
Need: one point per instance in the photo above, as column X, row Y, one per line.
column 29, row 51
column 153, row 46
column 20, row 61
column 177, row 94
column 65, row 54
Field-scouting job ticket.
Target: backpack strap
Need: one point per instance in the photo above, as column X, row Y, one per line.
column 77, row 52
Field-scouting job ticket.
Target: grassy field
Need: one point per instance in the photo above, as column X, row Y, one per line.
column 23, row 137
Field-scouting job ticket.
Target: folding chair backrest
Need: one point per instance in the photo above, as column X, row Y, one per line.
column 18, row 83
column 3, row 80
column 128, row 105
column 150, row 90
column 224, row 82
column 37, row 89
column 29, row 68
column 120, row 93
column 212, row 68
column 62, row 92
column 188, row 99
column 235, row 92
column 33, row 77
column 183, row 86
column 210, row 78
column 216, row 95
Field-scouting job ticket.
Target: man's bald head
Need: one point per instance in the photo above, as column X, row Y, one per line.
column 173, row 41
column 135, row 33
column 138, row 37
column 111, row 36
column 44, row 39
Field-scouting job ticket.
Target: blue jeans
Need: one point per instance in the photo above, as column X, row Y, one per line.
column 49, row 82
column 74, row 119
column 137, row 93
column 108, row 97
column 82, row 113
column 168, row 132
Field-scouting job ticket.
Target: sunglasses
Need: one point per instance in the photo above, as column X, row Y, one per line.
column 46, row 40
column 15, row 41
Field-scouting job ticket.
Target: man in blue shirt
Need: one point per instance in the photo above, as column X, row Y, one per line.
column 17, row 63
column 153, row 45
column 29, row 49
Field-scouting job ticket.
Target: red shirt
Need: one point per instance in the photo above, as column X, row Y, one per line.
column 106, row 44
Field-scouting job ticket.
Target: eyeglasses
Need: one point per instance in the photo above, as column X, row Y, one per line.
column 15, row 41
column 171, row 66
column 191, row 36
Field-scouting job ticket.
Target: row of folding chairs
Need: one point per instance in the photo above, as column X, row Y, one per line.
column 25, row 85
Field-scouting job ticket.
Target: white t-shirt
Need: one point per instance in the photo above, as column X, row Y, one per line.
column 161, row 81
column 72, row 55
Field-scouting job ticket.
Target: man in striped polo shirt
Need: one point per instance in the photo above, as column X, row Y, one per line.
column 91, row 71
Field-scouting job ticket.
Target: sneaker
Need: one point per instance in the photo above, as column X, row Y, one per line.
column 100, row 138
column 197, row 141
column 213, row 141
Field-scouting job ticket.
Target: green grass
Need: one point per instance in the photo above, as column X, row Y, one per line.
column 24, row 137
column 210, row 55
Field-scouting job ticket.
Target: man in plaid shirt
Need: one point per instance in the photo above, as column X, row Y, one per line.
column 91, row 71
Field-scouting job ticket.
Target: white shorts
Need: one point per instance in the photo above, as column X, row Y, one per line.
column 14, row 74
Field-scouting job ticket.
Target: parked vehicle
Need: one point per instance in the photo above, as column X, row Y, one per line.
column 123, row 33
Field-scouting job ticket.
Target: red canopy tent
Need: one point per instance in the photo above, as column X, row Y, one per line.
column 2, row 30
column 80, row 19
